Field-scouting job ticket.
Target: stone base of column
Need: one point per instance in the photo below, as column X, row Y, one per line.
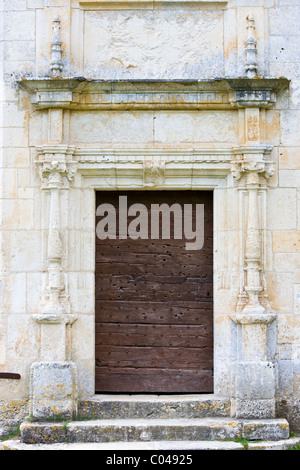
column 254, row 390
column 53, row 390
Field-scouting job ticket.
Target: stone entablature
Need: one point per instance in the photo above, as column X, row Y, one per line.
column 85, row 94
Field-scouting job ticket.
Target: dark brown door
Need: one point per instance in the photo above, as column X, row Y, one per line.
column 154, row 303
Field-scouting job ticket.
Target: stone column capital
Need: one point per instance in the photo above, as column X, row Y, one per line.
column 56, row 166
column 252, row 165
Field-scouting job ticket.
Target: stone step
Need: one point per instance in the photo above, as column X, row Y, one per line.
column 145, row 430
column 284, row 444
column 154, row 406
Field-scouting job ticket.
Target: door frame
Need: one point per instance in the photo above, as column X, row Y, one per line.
column 211, row 172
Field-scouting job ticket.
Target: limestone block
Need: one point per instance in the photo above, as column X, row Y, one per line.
column 33, row 291
column 285, row 378
column 81, row 289
column 254, row 342
column 8, row 178
column 21, row 341
column 23, row 184
column 82, row 332
column 282, row 209
column 76, row 44
column 13, row 5
column 289, row 158
column 108, row 127
column 12, row 411
column 287, row 262
column 20, row 51
column 19, row 25
column 272, row 127
column 16, row 157
column 290, row 123
column 53, row 389
column 15, row 293
column 289, row 178
column 280, row 291
column 26, row 253
column 286, row 242
column 230, row 41
column 294, row 94
column 283, row 50
column 255, row 380
column 288, row 329
column 285, row 16
column 13, row 115
column 252, row 3
column 258, row 409
column 35, row 4
column 297, row 299
column 36, row 129
column 208, row 126
column 15, row 137
column 53, row 342
column 283, row 3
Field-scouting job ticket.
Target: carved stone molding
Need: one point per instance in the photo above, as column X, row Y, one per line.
column 85, row 94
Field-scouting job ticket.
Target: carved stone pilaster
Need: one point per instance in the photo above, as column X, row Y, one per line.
column 254, row 370
column 57, row 169
column 251, row 170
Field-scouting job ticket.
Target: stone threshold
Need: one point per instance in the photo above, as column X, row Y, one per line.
column 108, row 406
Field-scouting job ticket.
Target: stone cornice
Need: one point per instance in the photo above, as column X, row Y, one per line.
column 85, row 94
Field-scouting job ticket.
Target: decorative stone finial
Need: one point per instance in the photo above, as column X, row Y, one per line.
column 251, row 68
column 56, row 50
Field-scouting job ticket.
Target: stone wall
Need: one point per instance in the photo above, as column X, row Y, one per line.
column 141, row 41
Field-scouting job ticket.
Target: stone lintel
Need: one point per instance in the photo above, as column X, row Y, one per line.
column 81, row 93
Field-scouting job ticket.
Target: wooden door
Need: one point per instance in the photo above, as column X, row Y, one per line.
column 154, row 304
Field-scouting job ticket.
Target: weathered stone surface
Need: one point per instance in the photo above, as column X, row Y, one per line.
column 53, row 390
column 141, row 430
column 209, row 127
column 154, row 407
